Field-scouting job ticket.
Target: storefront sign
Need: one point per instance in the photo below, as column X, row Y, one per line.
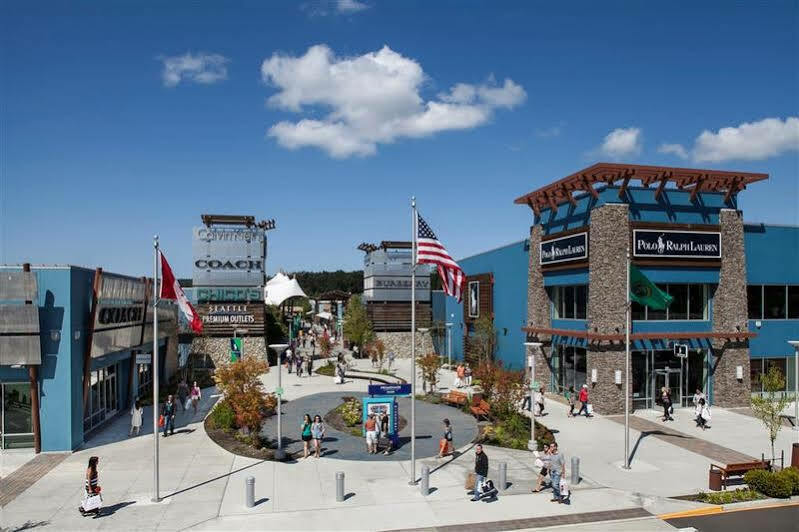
column 676, row 244
column 395, row 287
column 144, row 358
column 225, row 294
column 223, row 319
column 233, row 314
column 563, row 249
column 120, row 314
column 230, row 256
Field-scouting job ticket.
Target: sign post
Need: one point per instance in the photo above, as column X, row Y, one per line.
column 235, row 348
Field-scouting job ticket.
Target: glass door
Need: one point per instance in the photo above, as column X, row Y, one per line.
column 15, row 416
column 670, row 378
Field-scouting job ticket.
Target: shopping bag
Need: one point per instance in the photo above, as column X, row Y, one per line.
column 161, row 421
column 564, row 488
column 470, row 481
column 590, row 409
column 92, row 502
column 188, row 404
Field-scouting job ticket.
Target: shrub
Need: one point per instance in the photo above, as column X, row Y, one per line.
column 222, row 417
column 329, row 369
column 792, row 474
column 351, row 413
column 270, row 401
column 241, row 384
column 430, row 364
column 779, row 485
column 729, row 496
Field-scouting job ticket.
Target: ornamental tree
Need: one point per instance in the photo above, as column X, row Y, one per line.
column 357, row 327
column 430, row 364
column 240, row 382
column 768, row 407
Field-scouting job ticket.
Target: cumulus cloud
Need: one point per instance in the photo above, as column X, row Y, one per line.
column 622, row 142
column 323, row 8
column 350, row 6
column 674, row 149
column 371, row 99
column 748, row 141
column 200, row 68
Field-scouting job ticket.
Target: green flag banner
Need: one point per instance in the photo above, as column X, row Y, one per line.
column 644, row 291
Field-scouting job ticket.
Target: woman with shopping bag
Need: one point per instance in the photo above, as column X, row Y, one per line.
column 92, row 500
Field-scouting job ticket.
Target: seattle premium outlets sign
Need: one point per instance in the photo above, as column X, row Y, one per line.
column 563, row 249
column 676, row 244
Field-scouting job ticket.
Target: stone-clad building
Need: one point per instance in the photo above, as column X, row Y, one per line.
column 735, row 287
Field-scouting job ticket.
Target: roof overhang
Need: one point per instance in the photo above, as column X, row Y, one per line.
column 692, row 179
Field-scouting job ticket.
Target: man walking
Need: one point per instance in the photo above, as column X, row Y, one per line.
column 183, row 394
column 168, row 411
column 480, row 471
column 583, row 398
column 557, row 469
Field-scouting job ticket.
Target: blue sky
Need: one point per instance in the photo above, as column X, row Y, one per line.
column 120, row 120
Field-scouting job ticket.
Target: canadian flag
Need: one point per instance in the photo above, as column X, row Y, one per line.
column 170, row 289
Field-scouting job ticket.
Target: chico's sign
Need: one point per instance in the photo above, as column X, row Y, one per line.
column 676, row 244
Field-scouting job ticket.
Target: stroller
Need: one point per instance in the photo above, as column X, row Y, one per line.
column 487, row 491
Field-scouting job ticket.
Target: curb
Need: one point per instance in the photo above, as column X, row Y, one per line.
column 727, row 509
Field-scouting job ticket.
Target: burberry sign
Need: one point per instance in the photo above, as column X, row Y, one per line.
column 565, row 248
column 676, row 244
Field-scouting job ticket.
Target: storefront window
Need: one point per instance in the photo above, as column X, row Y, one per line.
column 16, row 416
column 774, row 302
column 581, row 301
column 754, row 296
column 656, row 314
column 697, row 302
column 793, row 302
column 145, row 381
column 569, row 302
column 689, row 303
column 103, row 397
column 678, row 310
column 571, row 367
column 760, row 366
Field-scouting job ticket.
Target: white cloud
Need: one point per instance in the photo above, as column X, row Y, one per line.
column 371, row 99
column 553, row 131
column 750, row 140
column 622, row 142
column 350, row 6
column 200, row 68
column 674, row 149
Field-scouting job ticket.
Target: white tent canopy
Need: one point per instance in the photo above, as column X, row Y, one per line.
column 277, row 293
column 279, row 278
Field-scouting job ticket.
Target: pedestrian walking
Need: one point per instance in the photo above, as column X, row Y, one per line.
column 196, row 395
column 298, row 365
column 697, row 396
column 92, row 500
column 183, row 395
column 318, row 433
column 340, row 373
column 539, row 401
column 445, row 443
column 480, row 471
column 569, row 395
column 305, row 434
column 557, row 470
column 168, row 412
column 702, row 413
column 374, row 358
column 542, row 462
column 289, row 360
column 370, row 426
column 309, row 366
column 391, row 357
column 384, row 422
column 355, row 351
column 467, row 374
column 583, row 398
column 136, row 414
column 665, row 401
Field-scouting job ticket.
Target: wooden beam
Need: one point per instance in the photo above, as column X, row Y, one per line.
column 732, row 188
column 590, row 188
column 535, row 208
column 552, row 203
column 699, row 180
column 623, row 188
column 569, row 196
column 663, row 179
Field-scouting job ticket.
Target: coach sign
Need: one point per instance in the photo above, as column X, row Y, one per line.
column 563, row 249
column 228, row 256
column 676, row 244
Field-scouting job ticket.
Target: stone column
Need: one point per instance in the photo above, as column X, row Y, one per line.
column 730, row 314
column 538, row 311
column 608, row 241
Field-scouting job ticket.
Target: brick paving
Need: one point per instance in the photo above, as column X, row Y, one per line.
column 24, row 477
column 717, row 453
column 539, row 522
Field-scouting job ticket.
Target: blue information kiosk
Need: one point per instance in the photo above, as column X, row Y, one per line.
column 383, row 399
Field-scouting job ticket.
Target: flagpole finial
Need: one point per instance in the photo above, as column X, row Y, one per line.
column 413, row 201
column 155, row 241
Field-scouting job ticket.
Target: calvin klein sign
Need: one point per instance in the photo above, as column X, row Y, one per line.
column 676, row 244
column 563, row 249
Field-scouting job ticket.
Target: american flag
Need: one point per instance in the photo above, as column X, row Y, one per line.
column 430, row 251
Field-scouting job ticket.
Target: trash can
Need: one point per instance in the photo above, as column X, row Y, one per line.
column 795, row 455
column 714, row 480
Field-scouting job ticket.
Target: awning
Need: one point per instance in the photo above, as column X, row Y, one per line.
column 277, row 293
column 324, row 315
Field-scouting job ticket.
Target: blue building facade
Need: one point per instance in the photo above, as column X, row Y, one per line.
column 735, row 287
column 84, row 338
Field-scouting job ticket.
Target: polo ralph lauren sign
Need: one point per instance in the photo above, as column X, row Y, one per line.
column 676, row 244
column 563, row 249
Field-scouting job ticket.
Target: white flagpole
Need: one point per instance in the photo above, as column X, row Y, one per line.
column 156, row 495
column 627, row 371
column 413, row 341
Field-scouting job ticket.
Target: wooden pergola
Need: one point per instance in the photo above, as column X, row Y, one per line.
column 595, row 338
column 692, row 179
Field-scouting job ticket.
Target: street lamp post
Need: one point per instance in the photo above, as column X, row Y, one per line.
column 532, row 346
column 795, row 344
column 279, row 348
column 449, row 345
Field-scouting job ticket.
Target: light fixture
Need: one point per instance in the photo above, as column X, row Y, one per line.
column 617, row 376
column 739, row 372
column 55, row 335
column 593, row 376
column 76, row 335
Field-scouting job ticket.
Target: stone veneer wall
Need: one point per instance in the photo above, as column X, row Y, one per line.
column 400, row 343
column 538, row 308
column 219, row 348
column 729, row 314
column 609, row 238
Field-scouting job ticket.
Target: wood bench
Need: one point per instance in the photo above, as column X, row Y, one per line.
column 455, row 398
column 480, row 408
column 739, row 470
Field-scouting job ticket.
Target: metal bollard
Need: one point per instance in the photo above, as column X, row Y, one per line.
column 339, row 486
column 424, row 485
column 575, row 470
column 503, row 476
column 250, row 491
